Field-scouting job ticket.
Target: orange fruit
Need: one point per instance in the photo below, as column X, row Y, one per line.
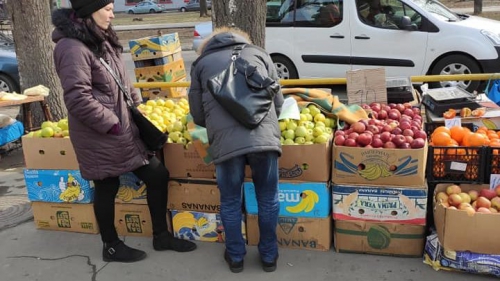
column 441, row 138
column 476, row 139
column 465, row 112
column 457, row 133
column 442, row 129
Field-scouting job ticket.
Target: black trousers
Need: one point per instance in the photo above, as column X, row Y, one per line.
column 156, row 178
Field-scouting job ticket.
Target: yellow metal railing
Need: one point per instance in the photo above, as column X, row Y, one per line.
column 338, row 81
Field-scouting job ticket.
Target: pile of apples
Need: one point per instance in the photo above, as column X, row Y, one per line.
column 169, row 115
column 390, row 126
column 484, row 201
column 313, row 127
column 51, row 129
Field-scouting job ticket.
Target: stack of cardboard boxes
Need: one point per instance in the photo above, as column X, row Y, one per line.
column 383, row 213
column 62, row 199
column 159, row 59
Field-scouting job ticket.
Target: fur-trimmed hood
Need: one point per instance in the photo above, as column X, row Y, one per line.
column 224, row 37
column 67, row 26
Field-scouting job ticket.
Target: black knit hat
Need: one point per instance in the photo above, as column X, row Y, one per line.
column 85, row 8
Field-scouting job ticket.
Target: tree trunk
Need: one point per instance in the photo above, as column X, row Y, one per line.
column 478, row 7
column 249, row 16
column 32, row 31
column 203, row 8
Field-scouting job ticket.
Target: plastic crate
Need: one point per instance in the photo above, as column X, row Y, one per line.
column 459, row 164
column 492, row 163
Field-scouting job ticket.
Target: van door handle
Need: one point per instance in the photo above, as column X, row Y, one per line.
column 362, row 37
column 337, row 36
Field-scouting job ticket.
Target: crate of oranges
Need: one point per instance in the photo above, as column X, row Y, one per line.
column 457, row 154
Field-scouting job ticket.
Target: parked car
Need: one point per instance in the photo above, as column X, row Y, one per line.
column 9, row 72
column 410, row 38
column 194, row 5
column 145, row 7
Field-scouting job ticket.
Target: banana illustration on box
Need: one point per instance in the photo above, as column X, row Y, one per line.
column 489, row 124
column 128, row 193
column 189, row 227
column 308, row 200
column 373, row 171
column 72, row 192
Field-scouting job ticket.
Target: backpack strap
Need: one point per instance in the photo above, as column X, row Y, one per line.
column 236, row 52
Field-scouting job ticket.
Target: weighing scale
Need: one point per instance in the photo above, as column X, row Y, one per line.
column 440, row 100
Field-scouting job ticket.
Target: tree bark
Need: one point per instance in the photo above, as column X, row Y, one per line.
column 32, row 31
column 249, row 16
column 203, row 8
column 478, row 7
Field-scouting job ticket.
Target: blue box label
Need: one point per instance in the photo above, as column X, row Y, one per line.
column 58, row 186
column 305, row 199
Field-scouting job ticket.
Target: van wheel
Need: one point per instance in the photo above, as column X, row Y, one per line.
column 285, row 68
column 7, row 84
column 456, row 64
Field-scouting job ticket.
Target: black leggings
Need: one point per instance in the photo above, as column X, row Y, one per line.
column 156, row 178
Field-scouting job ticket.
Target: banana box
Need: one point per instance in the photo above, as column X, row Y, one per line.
column 200, row 195
column 379, row 238
column 297, row 199
column 154, row 46
column 439, row 258
column 296, row 233
column 65, row 217
column 190, row 225
column 132, row 190
column 170, row 92
column 169, row 72
column 185, row 162
column 359, row 165
column 58, row 186
column 379, row 203
column 49, row 153
column 159, row 61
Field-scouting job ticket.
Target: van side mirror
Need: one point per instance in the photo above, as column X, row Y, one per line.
column 407, row 25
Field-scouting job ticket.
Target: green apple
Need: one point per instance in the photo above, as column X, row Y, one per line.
column 320, row 117
column 300, row 140
column 291, row 125
column 289, row 134
column 47, row 132
column 288, row 142
column 300, row 131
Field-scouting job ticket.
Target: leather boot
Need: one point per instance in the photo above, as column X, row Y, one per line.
column 166, row 241
column 119, row 252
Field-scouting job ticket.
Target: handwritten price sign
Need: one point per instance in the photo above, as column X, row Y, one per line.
column 448, row 123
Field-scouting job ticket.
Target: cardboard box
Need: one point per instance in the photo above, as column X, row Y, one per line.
column 159, row 61
column 357, row 165
column 170, row 72
column 190, row 225
column 58, row 186
column 154, row 46
column 296, row 233
column 186, row 163
column 304, row 162
column 379, row 238
column 438, row 258
column 170, row 92
column 457, row 231
column 297, row 199
column 376, row 203
column 132, row 190
column 194, row 195
column 65, row 217
column 49, row 153
column 133, row 220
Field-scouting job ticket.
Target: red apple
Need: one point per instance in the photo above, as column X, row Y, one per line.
column 483, row 210
column 465, row 197
column 441, row 197
column 473, row 195
column 454, row 200
column 483, row 202
column 488, row 193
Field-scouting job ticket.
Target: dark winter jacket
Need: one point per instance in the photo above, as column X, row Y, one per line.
column 227, row 137
column 95, row 104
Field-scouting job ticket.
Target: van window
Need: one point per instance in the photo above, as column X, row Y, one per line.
column 386, row 13
column 307, row 13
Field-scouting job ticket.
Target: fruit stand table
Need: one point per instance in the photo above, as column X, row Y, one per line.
column 27, row 113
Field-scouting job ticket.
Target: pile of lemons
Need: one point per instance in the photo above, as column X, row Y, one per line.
column 169, row 115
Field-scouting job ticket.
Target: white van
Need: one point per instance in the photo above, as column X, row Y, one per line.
column 326, row 38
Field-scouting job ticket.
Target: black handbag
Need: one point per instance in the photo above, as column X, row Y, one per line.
column 149, row 133
column 243, row 91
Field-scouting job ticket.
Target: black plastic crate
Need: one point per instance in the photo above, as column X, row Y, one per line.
column 458, row 164
column 492, row 163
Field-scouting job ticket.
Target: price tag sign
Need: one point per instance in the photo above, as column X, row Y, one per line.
column 448, row 123
column 494, row 180
column 457, row 166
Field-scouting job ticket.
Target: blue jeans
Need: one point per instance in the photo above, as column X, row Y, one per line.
column 230, row 175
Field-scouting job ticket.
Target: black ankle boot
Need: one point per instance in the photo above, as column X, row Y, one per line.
column 269, row 266
column 235, row 267
column 166, row 241
column 119, row 252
